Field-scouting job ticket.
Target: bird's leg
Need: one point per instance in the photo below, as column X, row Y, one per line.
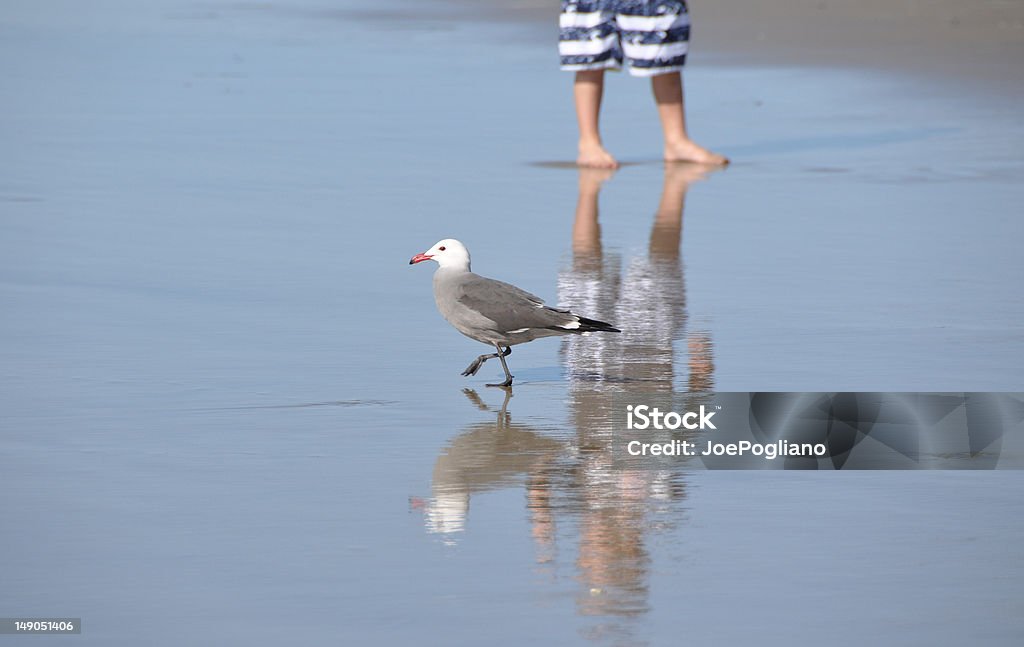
column 477, row 363
column 501, row 355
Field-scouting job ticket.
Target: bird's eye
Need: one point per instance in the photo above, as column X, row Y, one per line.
column 441, row 248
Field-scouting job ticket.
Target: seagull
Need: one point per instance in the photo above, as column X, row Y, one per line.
column 493, row 312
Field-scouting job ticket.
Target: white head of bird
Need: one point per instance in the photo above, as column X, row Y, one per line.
column 448, row 253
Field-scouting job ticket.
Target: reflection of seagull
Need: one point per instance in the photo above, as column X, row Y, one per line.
column 493, row 312
column 487, row 456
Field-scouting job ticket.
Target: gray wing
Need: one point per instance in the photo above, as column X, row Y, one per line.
column 507, row 306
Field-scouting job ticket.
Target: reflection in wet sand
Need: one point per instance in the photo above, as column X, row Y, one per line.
column 577, row 481
column 648, row 301
column 619, row 506
column 486, row 456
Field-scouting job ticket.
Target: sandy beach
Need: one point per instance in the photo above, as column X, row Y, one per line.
column 969, row 43
column 233, row 415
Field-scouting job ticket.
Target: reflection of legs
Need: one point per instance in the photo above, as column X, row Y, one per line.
column 668, row 222
column 542, row 518
column 586, row 231
column 702, row 363
column 588, row 91
column 474, row 397
column 668, row 94
column 612, row 560
column 479, row 361
column 665, row 247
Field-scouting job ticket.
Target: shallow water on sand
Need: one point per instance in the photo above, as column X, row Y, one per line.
column 228, row 399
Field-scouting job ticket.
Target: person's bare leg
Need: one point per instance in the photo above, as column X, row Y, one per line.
column 588, row 90
column 668, row 94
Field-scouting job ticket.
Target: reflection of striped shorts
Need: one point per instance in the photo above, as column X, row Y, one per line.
column 651, row 35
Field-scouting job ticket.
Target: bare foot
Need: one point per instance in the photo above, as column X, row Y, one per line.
column 687, row 150
column 594, row 155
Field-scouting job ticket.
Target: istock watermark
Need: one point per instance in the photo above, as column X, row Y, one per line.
column 643, row 417
column 671, row 432
column 653, row 417
column 818, row 430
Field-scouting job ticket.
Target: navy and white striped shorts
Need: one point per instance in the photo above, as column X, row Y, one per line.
column 652, row 36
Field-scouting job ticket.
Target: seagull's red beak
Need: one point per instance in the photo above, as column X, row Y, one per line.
column 419, row 258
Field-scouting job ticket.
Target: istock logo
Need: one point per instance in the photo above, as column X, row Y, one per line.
column 653, row 418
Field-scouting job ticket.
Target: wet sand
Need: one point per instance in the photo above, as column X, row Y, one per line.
column 229, row 399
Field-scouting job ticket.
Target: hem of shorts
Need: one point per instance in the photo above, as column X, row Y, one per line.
column 582, row 67
column 654, row 71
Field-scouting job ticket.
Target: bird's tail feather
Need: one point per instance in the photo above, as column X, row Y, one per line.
column 593, row 325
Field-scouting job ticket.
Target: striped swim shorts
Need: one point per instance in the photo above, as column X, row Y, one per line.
column 652, row 36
